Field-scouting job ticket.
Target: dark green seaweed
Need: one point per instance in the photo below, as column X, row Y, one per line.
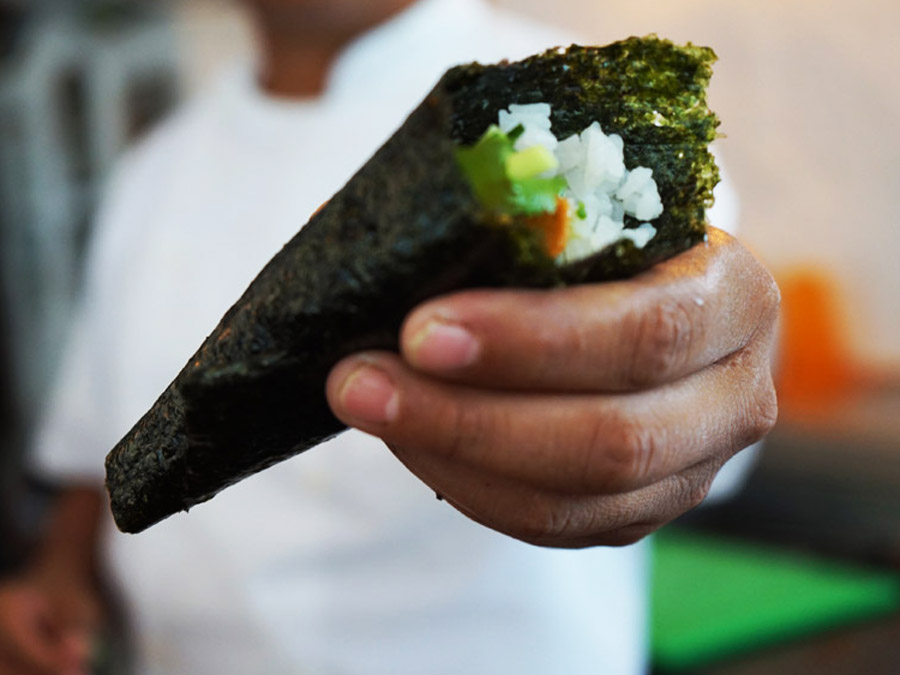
column 405, row 228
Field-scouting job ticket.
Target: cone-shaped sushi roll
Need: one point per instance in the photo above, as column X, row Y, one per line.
column 574, row 165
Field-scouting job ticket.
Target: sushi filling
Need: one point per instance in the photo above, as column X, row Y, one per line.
column 576, row 191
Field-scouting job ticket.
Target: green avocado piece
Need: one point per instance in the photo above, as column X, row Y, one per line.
column 508, row 181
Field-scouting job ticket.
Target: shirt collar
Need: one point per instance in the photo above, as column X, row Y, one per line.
column 426, row 38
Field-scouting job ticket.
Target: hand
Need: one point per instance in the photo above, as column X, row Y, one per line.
column 47, row 624
column 580, row 416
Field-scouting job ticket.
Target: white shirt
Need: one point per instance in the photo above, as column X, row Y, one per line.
column 338, row 561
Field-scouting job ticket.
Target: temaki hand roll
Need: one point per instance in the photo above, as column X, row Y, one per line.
column 575, row 165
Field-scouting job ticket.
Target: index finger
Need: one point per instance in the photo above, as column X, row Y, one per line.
column 675, row 319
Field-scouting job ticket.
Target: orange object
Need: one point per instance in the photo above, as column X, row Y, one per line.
column 555, row 227
column 816, row 367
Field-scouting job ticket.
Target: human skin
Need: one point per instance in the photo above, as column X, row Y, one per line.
column 582, row 416
column 300, row 39
column 50, row 612
column 571, row 417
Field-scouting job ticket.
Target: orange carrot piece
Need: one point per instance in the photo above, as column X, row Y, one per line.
column 555, row 227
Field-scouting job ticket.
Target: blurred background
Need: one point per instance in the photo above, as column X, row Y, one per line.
column 809, row 96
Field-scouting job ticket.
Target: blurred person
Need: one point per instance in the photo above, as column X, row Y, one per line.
column 340, row 561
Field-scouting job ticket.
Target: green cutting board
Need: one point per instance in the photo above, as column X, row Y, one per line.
column 713, row 597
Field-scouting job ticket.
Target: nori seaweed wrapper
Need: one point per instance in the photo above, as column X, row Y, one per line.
column 405, row 228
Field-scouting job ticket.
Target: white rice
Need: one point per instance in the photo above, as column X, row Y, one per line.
column 599, row 185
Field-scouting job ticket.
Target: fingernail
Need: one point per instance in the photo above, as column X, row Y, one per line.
column 369, row 395
column 443, row 346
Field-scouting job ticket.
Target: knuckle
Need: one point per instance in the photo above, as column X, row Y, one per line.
column 539, row 525
column 662, row 340
column 568, row 343
column 760, row 289
column 694, row 490
column 764, row 411
column 550, row 531
column 550, row 520
column 553, row 345
column 770, row 293
column 626, row 453
column 469, row 431
column 697, row 494
column 466, row 426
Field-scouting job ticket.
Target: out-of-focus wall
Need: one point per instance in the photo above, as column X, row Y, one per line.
column 809, row 97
